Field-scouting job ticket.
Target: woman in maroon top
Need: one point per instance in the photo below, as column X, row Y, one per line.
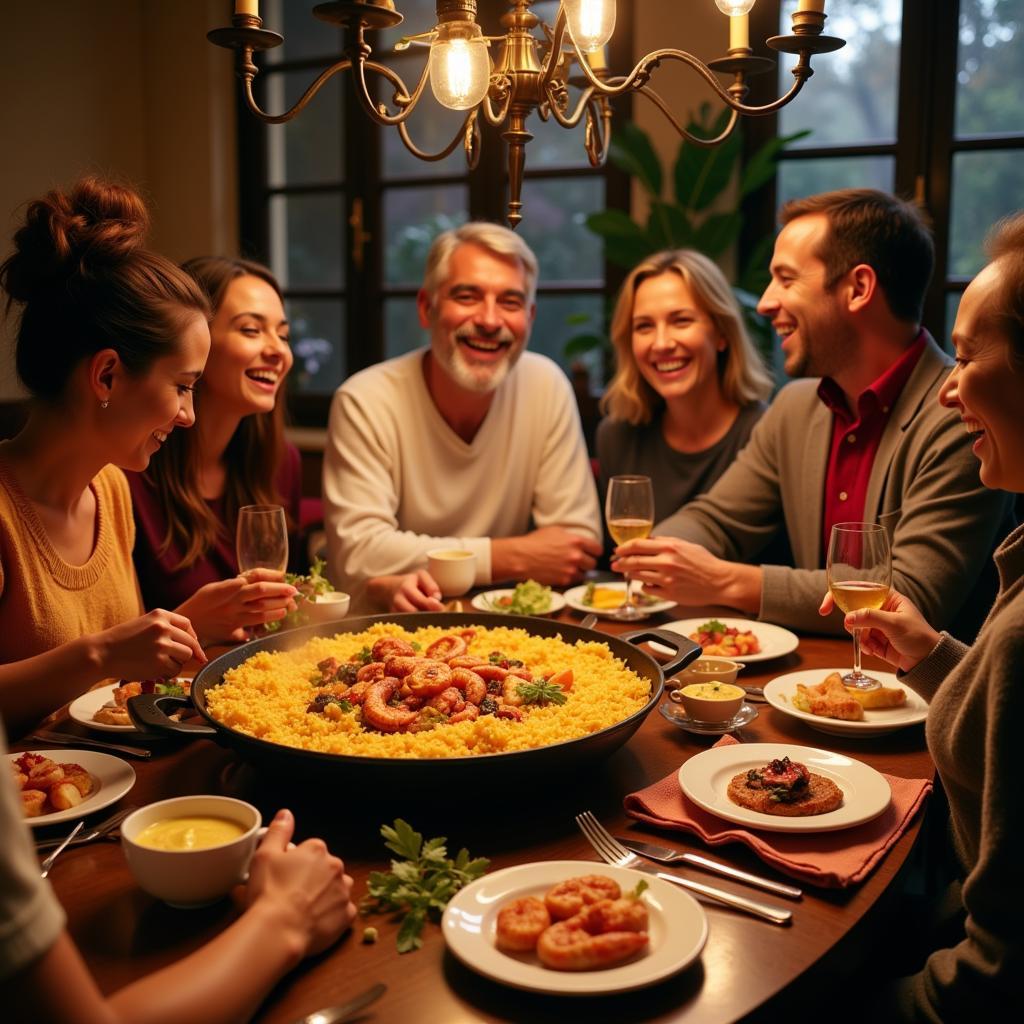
column 186, row 507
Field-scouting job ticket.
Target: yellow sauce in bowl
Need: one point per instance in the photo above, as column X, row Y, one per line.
column 191, row 833
column 713, row 690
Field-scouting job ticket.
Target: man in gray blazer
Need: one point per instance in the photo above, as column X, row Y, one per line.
column 864, row 440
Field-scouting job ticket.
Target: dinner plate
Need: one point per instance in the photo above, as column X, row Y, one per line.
column 485, row 602
column 781, row 691
column 111, row 777
column 81, row 709
column 675, row 714
column 678, row 929
column 574, row 599
column 705, row 778
column 775, row 641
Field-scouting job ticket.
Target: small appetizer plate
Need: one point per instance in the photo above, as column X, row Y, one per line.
column 82, row 709
column 488, row 602
column 678, row 929
column 775, row 641
column 704, row 778
column 781, row 691
column 675, row 714
column 574, row 599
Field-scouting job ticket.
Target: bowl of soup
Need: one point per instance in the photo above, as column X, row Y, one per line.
column 706, row 669
column 327, row 607
column 190, row 851
column 453, row 569
column 711, row 701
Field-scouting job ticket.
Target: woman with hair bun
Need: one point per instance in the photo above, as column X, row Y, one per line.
column 110, row 343
column 688, row 385
column 186, row 503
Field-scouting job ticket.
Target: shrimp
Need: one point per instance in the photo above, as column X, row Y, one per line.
column 510, row 691
column 446, row 647
column 448, row 701
column 400, row 665
column 378, row 714
column 470, row 683
column 520, row 923
column 356, row 693
column 628, row 914
column 466, row 661
column 470, row 713
column 566, row 946
column 568, row 898
column 428, row 678
column 372, row 670
column 390, row 647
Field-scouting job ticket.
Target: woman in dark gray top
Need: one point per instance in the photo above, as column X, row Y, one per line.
column 688, row 386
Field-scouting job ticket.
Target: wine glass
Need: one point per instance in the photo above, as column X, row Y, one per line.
column 859, row 576
column 261, row 541
column 629, row 512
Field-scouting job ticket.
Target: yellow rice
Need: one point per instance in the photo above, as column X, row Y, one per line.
column 267, row 695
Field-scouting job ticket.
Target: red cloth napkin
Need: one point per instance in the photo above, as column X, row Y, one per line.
column 833, row 860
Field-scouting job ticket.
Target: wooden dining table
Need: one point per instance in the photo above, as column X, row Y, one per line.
column 749, row 968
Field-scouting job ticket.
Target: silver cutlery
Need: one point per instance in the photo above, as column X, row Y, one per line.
column 347, row 1010
column 665, row 855
column 44, row 868
column 588, row 621
column 612, row 852
column 97, row 831
column 64, row 739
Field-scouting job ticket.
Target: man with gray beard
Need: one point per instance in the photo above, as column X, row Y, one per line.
column 864, row 440
column 472, row 443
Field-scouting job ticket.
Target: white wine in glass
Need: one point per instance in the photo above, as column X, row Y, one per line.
column 629, row 513
column 261, row 541
column 859, row 572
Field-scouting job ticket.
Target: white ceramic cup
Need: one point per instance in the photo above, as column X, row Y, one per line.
column 191, row 878
column 327, row 607
column 453, row 569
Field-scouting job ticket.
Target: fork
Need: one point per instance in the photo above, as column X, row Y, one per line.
column 44, row 868
column 98, row 831
column 613, row 852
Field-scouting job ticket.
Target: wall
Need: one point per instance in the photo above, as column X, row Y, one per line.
column 129, row 88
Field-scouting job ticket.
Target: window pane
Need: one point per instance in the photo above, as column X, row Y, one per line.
column 431, row 127
column 304, row 35
column 991, row 55
column 798, row 178
column 310, row 148
column 555, row 146
column 852, row 97
column 413, row 218
column 986, row 186
column 402, row 331
column 554, row 226
column 552, row 328
column 317, row 338
column 306, row 235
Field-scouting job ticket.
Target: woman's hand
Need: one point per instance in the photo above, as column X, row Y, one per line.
column 304, row 888
column 153, row 646
column 411, row 592
column 897, row 633
column 221, row 611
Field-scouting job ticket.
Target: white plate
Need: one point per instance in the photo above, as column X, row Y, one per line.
column 81, row 709
column 705, row 778
column 574, row 599
column 775, row 641
column 485, row 602
column 111, row 776
column 781, row 691
column 678, row 930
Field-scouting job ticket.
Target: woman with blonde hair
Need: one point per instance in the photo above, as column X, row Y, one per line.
column 688, row 385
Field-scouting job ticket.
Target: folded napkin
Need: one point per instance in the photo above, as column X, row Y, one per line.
column 833, row 860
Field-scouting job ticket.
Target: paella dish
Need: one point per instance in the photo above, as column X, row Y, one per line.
column 428, row 693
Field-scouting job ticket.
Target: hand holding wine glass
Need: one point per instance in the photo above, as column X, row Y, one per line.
column 629, row 513
column 859, row 573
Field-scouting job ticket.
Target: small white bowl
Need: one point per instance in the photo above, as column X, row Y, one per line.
column 191, row 878
column 704, row 670
column 327, row 607
column 453, row 569
column 711, row 701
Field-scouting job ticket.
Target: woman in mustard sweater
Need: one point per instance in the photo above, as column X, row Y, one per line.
column 110, row 343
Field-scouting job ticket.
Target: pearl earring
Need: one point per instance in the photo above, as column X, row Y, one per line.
column 104, row 404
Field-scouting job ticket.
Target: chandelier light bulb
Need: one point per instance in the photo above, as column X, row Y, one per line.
column 734, row 8
column 591, row 22
column 460, row 69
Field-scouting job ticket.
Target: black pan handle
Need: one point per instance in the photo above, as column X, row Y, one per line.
column 147, row 714
column 685, row 649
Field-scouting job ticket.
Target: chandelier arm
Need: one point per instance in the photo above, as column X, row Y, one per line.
column 554, row 56
column 576, row 116
column 300, row 103
column 647, row 91
column 402, row 99
column 493, row 117
column 598, row 132
column 460, row 136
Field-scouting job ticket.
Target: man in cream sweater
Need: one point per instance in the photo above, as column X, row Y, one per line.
column 471, row 444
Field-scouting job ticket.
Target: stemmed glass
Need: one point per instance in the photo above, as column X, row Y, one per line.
column 859, row 576
column 261, row 541
column 629, row 512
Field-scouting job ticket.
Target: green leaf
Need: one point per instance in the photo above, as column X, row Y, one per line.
column 755, row 276
column 702, row 174
column 632, row 152
column 402, row 839
column 577, row 318
column 760, row 168
column 580, row 344
column 625, row 242
column 717, row 233
column 669, row 227
column 409, row 933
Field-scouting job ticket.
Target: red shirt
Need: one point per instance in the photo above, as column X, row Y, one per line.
column 855, row 439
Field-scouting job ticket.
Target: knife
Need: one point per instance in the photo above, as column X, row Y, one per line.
column 64, row 740
column 663, row 853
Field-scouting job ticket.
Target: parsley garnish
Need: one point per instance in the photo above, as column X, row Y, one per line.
column 713, row 626
column 421, row 884
column 540, row 691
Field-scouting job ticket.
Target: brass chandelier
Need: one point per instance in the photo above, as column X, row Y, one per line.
column 528, row 75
